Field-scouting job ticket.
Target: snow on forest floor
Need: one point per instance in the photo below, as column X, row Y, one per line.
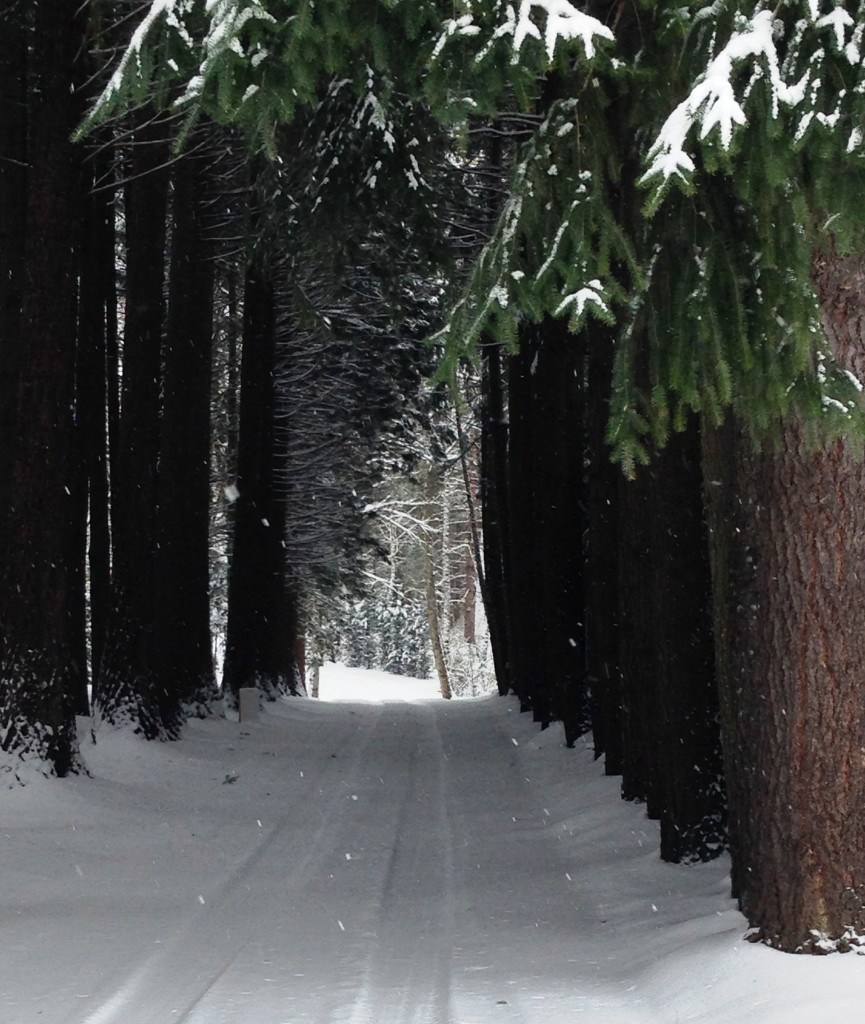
column 409, row 861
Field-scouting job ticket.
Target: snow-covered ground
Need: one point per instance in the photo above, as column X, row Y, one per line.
column 414, row 861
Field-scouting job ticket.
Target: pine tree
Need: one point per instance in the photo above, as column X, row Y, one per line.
column 125, row 690
column 186, row 680
column 36, row 643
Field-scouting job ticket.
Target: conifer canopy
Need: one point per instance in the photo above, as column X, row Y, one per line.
column 690, row 162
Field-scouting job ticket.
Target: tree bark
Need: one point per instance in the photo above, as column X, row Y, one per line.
column 690, row 795
column 126, row 687
column 557, row 469
column 637, row 666
column 36, row 714
column 433, row 503
column 522, row 597
column 601, row 552
column 788, row 547
column 186, row 680
column 13, row 205
column 494, row 511
column 262, row 618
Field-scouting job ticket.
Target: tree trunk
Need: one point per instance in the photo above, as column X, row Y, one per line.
column 96, row 326
column 638, row 670
column 603, row 674
column 36, row 715
column 433, row 503
column 13, row 205
column 788, row 547
column 690, row 785
column 262, row 619
column 522, row 598
column 557, row 470
column 494, row 511
column 186, row 680
column 126, row 687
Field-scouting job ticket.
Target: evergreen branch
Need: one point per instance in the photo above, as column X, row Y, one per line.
column 129, row 71
column 793, row 66
column 548, row 21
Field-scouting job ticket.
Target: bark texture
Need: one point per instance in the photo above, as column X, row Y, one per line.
column 788, row 546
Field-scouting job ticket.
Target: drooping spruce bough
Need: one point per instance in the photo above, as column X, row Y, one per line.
column 699, row 156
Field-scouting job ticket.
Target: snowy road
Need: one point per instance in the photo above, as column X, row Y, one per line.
column 414, row 862
column 362, row 904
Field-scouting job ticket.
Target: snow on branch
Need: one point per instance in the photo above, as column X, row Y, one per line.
column 548, row 21
column 717, row 100
column 563, row 21
column 227, row 20
column 130, row 63
column 577, row 301
column 713, row 103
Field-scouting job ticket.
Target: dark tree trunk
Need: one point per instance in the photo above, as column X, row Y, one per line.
column 671, row 743
column 788, row 547
column 523, row 594
column 96, row 326
column 691, row 796
column 602, row 556
column 262, row 621
column 13, row 208
column 557, row 470
column 126, row 689
column 638, row 669
column 494, row 502
column 186, row 681
column 36, row 714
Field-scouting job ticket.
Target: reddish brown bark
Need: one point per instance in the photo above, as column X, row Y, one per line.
column 789, row 566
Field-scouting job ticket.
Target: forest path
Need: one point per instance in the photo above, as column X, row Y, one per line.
column 414, row 862
column 405, row 852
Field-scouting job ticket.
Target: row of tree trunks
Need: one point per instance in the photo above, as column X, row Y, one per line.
column 689, row 791
column 532, row 482
column 610, row 583
column 149, row 629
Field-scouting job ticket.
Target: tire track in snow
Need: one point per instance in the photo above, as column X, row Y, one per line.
column 174, row 980
column 407, row 977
